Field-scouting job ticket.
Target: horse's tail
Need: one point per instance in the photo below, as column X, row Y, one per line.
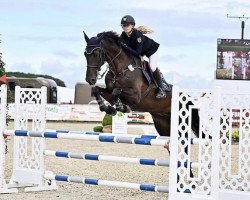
column 144, row 29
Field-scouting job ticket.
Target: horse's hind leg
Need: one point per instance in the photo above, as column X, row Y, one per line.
column 106, row 108
column 162, row 123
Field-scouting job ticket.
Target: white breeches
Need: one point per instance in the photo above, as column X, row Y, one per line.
column 153, row 61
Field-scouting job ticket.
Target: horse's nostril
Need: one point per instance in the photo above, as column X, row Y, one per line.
column 93, row 80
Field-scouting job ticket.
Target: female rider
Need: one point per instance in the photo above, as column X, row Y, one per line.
column 139, row 45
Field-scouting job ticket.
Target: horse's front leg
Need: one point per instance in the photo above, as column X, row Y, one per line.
column 97, row 92
column 118, row 103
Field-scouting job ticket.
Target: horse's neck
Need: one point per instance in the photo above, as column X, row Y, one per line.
column 122, row 61
column 131, row 60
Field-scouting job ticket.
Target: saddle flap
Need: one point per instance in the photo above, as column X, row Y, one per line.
column 147, row 72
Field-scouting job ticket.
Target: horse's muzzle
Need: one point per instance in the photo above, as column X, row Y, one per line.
column 91, row 81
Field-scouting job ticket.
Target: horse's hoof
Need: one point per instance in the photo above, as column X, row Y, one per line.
column 103, row 108
column 126, row 109
column 111, row 111
column 119, row 108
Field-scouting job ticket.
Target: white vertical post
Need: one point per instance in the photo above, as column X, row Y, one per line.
column 174, row 145
column 29, row 168
column 16, row 126
column 42, row 184
column 215, row 165
column 3, row 100
column 181, row 185
column 2, row 128
column 43, row 127
column 232, row 75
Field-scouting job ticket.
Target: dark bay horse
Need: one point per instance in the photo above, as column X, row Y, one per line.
column 126, row 86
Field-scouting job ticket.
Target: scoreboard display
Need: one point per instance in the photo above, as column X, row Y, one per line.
column 233, row 59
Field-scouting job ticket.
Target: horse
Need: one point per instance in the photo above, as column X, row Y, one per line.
column 126, row 86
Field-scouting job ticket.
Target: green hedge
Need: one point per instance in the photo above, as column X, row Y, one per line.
column 107, row 120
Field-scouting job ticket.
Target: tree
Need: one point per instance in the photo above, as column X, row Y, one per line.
column 30, row 75
column 2, row 71
column 3, row 81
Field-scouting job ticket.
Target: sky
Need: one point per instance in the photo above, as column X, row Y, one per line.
column 46, row 37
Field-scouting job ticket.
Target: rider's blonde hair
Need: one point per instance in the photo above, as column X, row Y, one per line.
column 144, row 29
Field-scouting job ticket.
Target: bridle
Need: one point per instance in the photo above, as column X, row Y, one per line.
column 101, row 56
column 102, row 59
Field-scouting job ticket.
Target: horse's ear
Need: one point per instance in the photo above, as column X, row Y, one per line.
column 86, row 37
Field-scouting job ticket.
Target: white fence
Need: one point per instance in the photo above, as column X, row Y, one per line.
column 225, row 171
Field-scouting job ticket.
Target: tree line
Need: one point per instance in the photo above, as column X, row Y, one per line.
column 30, row 75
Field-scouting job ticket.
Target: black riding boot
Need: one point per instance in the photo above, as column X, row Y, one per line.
column 160, row 93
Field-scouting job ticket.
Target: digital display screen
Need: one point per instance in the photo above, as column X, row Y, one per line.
column 233, row 59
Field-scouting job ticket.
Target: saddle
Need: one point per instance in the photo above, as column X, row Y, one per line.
column 148, row 75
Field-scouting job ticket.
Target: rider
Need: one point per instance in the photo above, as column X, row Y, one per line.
column 140, row 45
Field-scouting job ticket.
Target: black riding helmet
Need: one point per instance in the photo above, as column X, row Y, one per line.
column 128, row 19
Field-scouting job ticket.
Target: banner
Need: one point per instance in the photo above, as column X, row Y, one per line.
column 119, row 123
column 85, row 113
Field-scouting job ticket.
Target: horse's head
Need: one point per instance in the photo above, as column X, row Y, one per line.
column 104, row 47
column 95, row 58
